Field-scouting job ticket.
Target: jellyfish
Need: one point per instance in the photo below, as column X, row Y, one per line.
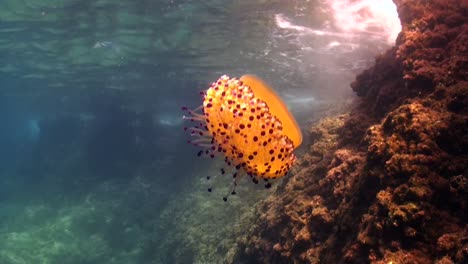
column 248, row 124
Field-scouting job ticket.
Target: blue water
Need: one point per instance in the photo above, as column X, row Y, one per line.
column 94, row 165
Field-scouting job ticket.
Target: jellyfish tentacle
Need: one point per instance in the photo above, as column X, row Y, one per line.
column 193, row 115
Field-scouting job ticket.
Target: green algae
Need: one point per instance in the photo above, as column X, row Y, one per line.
column 44, row 236
column 81, row 233
column 120, row 222
column 207, row 227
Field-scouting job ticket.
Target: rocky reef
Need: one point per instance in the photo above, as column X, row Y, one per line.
column 386, row 183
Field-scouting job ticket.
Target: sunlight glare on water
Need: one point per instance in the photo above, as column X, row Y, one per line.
column 376, row 18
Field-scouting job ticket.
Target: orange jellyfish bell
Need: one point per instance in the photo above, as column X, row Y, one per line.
column 247, row 122
column 276, row 106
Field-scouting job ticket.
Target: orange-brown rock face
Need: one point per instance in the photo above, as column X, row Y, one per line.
column 387, row 183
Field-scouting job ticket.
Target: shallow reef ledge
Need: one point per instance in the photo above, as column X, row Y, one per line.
column 386, row 183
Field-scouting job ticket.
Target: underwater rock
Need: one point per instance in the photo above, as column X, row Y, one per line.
column 388, row 182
